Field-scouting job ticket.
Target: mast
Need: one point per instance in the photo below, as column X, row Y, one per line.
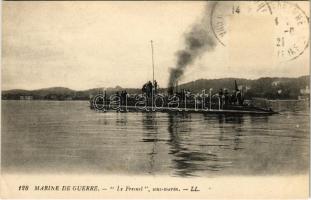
column 151, row 42
column 152, row 61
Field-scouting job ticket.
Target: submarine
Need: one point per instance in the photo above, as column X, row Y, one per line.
column 174, row 99
column 178, row 101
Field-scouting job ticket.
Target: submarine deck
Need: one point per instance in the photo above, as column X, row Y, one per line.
column 252, row 110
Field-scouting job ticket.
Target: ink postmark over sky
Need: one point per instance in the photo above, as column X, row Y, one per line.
column 286, row 23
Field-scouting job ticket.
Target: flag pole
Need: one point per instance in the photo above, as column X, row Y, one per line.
column 151, row 42
column 152, row 60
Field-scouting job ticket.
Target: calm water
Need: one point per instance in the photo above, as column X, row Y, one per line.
column 68, row 137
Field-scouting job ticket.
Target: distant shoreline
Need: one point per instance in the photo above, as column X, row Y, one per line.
column 269, row 88
column 229, row 78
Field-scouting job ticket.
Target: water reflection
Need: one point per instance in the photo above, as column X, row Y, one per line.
column 150, row 135
column 80, row 140
column 236, row 122
column 214, row 143
column 184, row 158
column 259, row 119
column 121, row 120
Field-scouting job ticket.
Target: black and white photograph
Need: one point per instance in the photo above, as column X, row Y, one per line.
column 155, row 99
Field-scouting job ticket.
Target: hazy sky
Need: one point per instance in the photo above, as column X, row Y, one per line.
column 82, row 45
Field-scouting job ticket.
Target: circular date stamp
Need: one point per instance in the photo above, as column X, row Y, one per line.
column 292, row 30
column 290, row 24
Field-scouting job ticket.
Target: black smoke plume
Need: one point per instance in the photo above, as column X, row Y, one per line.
column 198, row 40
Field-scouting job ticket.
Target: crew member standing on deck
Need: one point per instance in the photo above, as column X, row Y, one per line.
column 149, row 89
column 226, row 97
column 155, row 86
column 220, row 95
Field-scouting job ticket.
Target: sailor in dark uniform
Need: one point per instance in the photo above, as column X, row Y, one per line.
column 155, row 86
column 220, row 93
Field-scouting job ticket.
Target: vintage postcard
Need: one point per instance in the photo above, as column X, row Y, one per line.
column 155, row 99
